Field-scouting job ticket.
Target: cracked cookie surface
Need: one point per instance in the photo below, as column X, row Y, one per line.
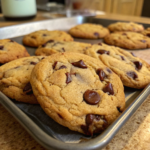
column 128, row 40
column 40, row 37
column 125, row 26
column 15, row 79
column 11, row 50
column 89, row 31
column 53, row 47
column 133, row 71
column 78, row 91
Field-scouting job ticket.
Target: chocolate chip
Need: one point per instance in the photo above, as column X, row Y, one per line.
column 109, row 70
column 44, row 45
column 118, row 108
column 33, row 37
column 1, row 47
column 28, row 89
column 101, row 74
column 148, row 34
column 122, row 57
column 91, row 97
column 63, row 49
column 85, row 130
column 96, row 34
column 68, row 80
column 138, row 65
column 33, row 63
column 60, row 116
column 79, row 64
column 133, row 54
column 44, row 34
column 109, row 89
column 99, row 44
column 11, row 40
column 97, row 117
column 50, row 41
column 132, row 74
column 101, row 51
column 62, row 67
column 143, row 41
column 89, row 119
column 54, row 65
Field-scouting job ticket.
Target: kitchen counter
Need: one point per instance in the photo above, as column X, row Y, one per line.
column 134, row 135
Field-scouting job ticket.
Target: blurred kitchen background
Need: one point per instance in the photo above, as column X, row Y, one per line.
column 124, row 7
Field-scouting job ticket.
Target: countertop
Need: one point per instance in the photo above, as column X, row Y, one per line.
column 134, row 135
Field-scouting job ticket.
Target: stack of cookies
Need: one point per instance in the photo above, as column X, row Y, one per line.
column 79, row 85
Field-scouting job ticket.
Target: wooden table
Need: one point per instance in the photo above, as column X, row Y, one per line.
column 134, row 135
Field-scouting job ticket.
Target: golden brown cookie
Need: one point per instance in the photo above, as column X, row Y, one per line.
column 78, row 91
column 128, row 40
column 89, row 31
column 53, row 47
column 133, row 71
column 146, row 32
column 40, row 37
column 11, row 50
column 125, row 26
column 15, row 79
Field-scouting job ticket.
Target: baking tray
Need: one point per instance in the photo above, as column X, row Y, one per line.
column 47, row 132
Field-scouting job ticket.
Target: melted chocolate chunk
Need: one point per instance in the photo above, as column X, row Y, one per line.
column 62, row 67
column 91, row 97
column 109, row 89
column 11, row 40
column 118, row 108
column 28, row 89
column 85, row 130
column 63, row 49
column 101, row 74
column 44, row 45
column 60, row 116
column 33, row 37
column 100, row 44
column 133, row 54
column 44, row 34
column 79, row 64
column 132, row 74
column 50, row 41
column 54, row 65
column 143, row 41
column 33, row 63
column 122, row 57
column 89, row 119
column 138, row 65
column 148, row 34
column 96, row 34
column 109, row 70
column 1, row 47
column 101, row 51
column 68, row 80
column 97, row 117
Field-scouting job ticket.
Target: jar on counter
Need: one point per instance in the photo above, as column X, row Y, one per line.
column 18, row 9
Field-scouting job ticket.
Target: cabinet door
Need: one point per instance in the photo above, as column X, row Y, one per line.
column 127, row 7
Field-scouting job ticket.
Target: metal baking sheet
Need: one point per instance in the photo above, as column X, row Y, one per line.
column 46, row 131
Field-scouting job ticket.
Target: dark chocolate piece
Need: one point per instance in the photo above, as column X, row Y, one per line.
column 79, row 64
column 109, row 89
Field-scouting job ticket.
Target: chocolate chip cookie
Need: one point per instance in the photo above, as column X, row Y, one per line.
column 40, row 37
column 11, row 50
column 15, row 79
column 146, row 32
column 78, row 91
column 125, row 26
column 128, row 40
column 89, row 31
column 133, row 71
column 52, row 47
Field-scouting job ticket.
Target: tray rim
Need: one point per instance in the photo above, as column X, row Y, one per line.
column 48, row 142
